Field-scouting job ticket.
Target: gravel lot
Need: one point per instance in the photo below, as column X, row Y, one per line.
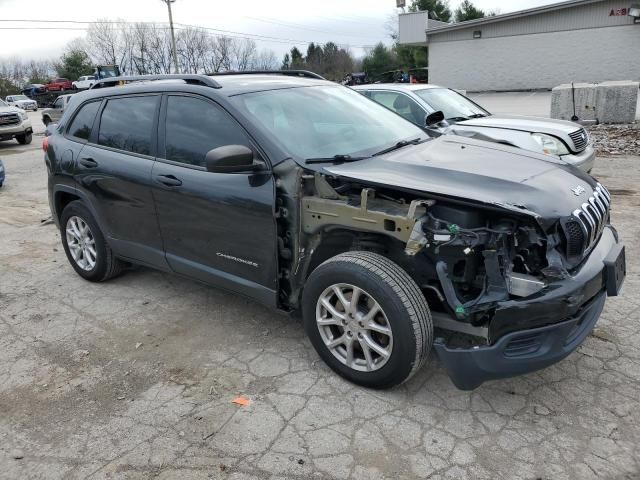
column 135, row 379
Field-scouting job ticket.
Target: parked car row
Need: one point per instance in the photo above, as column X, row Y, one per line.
column 389, row 242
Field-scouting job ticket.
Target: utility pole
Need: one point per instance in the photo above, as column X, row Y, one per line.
column 173, row 36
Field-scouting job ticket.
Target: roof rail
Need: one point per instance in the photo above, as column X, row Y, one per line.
column 291, row 73
column 203, row 80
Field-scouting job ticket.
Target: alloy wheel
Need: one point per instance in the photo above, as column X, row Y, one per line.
column 354, row 327
column 81, row 243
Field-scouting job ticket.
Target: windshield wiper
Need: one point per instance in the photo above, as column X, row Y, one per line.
column 340, row 158
column 457, row 119
column 478, row 115
column 399, row 145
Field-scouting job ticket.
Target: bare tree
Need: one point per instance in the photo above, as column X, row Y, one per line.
column 105, row 43
column 193, row 46
column 159, row 51
column 243, row 54
column 266, row 60
column 223, row 47
column 145, row 48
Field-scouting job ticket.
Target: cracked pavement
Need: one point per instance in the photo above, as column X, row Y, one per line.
column 134, row 379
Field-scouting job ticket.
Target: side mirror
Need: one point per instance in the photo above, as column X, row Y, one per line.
column 434, row 118
column 231, row 159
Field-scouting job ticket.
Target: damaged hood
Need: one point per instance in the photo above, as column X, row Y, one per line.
column 523, row 124
column 478, row 171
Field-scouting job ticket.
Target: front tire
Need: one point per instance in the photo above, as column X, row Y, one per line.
column 85, row 245
column 25, row 139
column 367, row 319
column 46, row 121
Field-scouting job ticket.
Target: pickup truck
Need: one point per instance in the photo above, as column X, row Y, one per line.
column 22, row 101
column 84, row 82
column 14, row 123
column 59, row 84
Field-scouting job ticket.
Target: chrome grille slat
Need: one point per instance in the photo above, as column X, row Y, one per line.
column 596, row 211
column 598, row 203
column 580, row 139
column 592, row 216
column 8, row 120
column 603, row 190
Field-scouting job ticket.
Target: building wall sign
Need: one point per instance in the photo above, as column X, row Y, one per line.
column 619, row 12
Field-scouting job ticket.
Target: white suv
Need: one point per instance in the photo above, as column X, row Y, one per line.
column 14, row 123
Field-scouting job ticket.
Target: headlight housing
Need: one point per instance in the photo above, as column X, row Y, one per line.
column 24, row 115
column 550, row 145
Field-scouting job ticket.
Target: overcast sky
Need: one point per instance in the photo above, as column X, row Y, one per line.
column 357, row 23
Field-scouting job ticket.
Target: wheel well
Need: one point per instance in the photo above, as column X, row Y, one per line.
column 63, row 199
column 339, row 241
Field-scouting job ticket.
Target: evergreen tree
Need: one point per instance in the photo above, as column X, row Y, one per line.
column 439, row 7
column 468, row 11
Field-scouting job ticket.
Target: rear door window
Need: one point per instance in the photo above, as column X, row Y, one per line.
column 194, row 126
column 127, row 124
column 83, row 122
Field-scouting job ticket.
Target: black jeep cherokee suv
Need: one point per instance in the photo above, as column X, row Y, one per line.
column 306, row 196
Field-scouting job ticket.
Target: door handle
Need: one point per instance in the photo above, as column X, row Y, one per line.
column 169, row 180
column 88, row 162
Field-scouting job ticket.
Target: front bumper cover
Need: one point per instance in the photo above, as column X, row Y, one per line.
column 531, row 334
column 584, row 160
column 9, row 132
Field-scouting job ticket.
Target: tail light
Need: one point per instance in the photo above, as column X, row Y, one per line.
column 45, row 144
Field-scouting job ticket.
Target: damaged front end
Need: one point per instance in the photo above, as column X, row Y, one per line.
column 503, row 290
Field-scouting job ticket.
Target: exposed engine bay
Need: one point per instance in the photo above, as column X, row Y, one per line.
column 465, row 257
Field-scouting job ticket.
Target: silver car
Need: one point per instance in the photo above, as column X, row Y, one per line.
column 54, row 114
column 440, row 111
column 22, row 101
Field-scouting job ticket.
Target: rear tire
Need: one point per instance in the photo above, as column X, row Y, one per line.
column 25, row 139
column 381, row 340
column 85, row 245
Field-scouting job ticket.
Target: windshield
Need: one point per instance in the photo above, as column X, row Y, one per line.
column 454, row 106
column 322, row 122
column 2, row 104
column 19, row 97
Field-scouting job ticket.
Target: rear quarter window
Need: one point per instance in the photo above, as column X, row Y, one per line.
column 83, row 121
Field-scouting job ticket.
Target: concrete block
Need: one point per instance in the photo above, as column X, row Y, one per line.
column 617, row 101
column 607, row 102
column 562, row 101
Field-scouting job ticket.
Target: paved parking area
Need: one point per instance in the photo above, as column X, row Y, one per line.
column 134, row 379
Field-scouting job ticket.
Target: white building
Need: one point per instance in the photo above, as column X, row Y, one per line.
column 539, row 48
